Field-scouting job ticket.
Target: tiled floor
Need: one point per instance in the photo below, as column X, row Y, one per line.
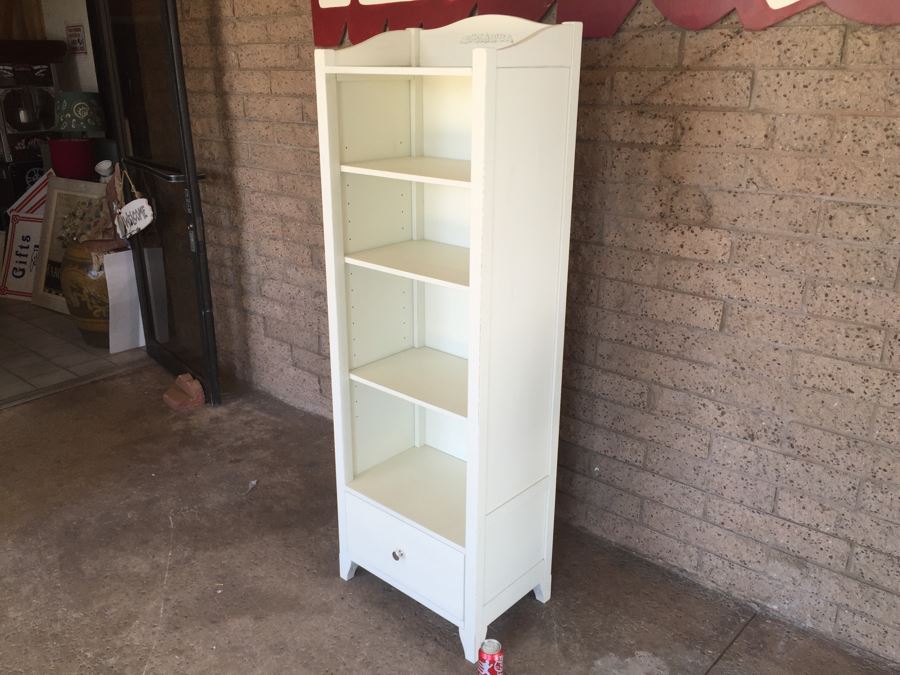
column 42, row 351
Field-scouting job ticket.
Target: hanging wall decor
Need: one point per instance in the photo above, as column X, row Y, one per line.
column 601, row 18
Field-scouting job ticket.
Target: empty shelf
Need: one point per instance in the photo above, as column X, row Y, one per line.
column 407, row 71
column 420, row 259
column 435, row 170
column 424, row 485
column 426, row 376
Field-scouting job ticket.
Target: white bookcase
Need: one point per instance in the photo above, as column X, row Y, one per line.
column 447, row 160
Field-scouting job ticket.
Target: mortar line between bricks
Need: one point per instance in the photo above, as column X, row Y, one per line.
column 709, row 461
column 644, row 106
column 816, row 281
column 788, row 381
column 701, row 67
column 644, row 500
column 770, row 192
column 742, row 304
column 731, row 643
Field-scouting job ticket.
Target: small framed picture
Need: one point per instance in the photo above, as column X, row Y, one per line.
column 75, row 38
column 73, row 206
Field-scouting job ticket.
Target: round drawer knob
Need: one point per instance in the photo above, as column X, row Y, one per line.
column 397, row 555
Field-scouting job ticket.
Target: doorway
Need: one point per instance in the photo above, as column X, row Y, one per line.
column 147, row 100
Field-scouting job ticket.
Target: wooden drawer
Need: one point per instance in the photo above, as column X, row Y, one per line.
column 412, row 561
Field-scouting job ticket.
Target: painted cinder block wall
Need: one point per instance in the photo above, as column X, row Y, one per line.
column 732, row 382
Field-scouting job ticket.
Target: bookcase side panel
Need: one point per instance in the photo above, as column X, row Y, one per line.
column 447, row 433
column 326, row 99
column 515, row 547
column 445, row 315
column 379, row 314
column 447, row 117
column 376, row 212
column 383, row 426
column 528, row 242
column 446, row 217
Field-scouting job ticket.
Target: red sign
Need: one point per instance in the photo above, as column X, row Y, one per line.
column 601, row 18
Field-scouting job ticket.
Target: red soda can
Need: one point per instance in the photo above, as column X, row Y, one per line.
column 490, row 658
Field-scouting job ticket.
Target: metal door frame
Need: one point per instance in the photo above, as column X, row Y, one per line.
column 100, row 17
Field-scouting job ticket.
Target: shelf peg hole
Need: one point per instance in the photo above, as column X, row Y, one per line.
column 397, row 555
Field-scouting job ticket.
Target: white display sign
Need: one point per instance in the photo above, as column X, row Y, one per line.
column 126, row 331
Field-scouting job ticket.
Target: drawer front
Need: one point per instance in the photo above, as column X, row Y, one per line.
column 427, row 570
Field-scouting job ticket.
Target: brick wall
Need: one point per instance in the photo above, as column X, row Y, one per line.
column 248, row 64
column 732, row 383
column 732, row 402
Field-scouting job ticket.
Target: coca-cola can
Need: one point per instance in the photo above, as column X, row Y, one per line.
column 490, row 658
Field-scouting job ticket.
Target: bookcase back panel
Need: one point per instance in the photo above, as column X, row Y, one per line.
column 447, row 117
column 379, row 315
column 385, row 49
column 446, row 319
column 383, row 426
column 374, row 118
column 446, row 214
column 378, row 212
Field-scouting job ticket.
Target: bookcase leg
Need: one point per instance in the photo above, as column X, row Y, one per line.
column 542, row 590
column 471, row 641
column 348, row 569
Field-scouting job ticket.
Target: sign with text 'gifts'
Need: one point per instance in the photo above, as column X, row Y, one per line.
column 20, row 258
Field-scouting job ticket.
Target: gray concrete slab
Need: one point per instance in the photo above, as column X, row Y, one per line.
column 128, row 544
column 768, row 646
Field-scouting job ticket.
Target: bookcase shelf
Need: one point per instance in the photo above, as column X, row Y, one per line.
column 447, row 160
column 422, row 375
column 423, row 485
column 420, row 169
column 418, row 259
column 398, row 71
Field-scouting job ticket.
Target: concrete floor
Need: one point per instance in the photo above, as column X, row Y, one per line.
column 128, row 545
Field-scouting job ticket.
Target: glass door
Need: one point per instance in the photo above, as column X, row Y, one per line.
column 148, row 103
